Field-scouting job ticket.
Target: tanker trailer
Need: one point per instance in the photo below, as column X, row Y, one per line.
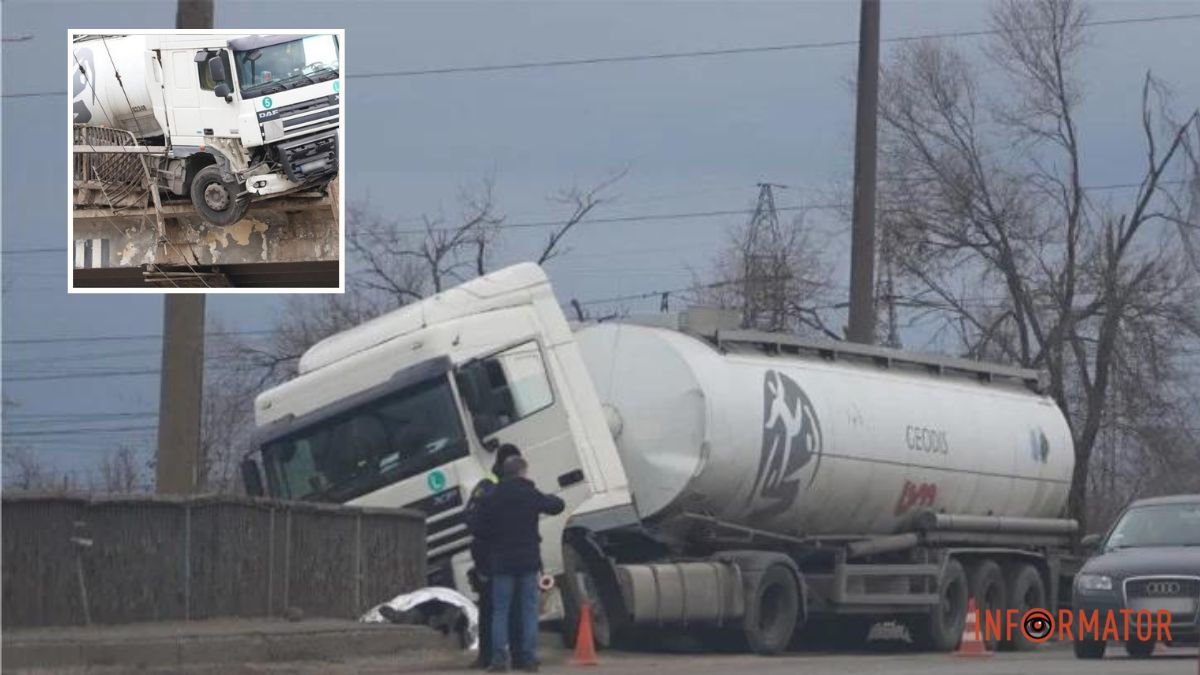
column 829, row 471
column 221, row 120
column 716, row 479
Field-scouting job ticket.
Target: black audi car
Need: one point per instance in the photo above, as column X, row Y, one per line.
column 1150, row 560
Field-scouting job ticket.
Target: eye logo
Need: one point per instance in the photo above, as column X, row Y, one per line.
column 1038, row 625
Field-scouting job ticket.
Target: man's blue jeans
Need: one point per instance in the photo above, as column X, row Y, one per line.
column 517, row 592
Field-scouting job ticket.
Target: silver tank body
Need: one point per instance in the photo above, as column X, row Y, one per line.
column 798, row 445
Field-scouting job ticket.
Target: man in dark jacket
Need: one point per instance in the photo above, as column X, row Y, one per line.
column 511, row 521
column 481, row 573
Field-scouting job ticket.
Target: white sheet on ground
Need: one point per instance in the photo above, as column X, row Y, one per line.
column 407, row 601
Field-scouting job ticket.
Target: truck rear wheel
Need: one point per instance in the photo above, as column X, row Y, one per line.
column 772, row 607
column 1089, row 649
column 1139, row 649
column 215, row 199
column 986, row 581
column 942, row 628
column 1025, row 592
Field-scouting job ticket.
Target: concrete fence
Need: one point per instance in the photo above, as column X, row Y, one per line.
column 71, row 560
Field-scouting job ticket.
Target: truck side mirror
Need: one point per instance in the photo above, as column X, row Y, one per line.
column 251, row 478
column 223, row 91
column 216, row 69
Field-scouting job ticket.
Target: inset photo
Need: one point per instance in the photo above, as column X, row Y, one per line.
column 205, row 160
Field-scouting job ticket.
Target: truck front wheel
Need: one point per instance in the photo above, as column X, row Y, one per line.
column 215, row 199
column 942, row 629
column 771, row 610
column 583, row 585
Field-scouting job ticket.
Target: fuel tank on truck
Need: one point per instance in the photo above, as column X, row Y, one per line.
column 96, row 94
column 801, row 445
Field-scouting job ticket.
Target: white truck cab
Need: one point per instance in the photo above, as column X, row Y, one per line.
column 408, row 409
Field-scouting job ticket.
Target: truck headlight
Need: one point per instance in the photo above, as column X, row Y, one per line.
column 1093, row 582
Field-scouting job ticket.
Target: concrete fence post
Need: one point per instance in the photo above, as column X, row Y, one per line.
column 187, row 560
column 271, row 561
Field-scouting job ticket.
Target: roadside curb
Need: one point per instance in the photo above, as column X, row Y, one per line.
column 240, row 643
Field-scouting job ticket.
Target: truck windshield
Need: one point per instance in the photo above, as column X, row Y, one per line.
column 1158, row 525
column 367, row 447
column 287, row 65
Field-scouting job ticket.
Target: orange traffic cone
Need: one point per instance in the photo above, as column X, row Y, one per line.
column 585, row 647
column 971, row 644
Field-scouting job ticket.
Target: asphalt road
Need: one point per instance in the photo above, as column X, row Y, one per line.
column 1048, row 660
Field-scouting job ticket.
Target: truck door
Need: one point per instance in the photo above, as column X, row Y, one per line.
column 182, row 91
column 510, row 399
column 218, row 116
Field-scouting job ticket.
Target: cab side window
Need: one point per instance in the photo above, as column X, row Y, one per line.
column 206, row 82
column 505, row 387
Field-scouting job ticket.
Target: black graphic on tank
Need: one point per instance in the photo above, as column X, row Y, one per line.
column 791, row 439
column 81, row 81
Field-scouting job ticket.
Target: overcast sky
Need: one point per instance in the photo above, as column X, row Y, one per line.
column 696, row 135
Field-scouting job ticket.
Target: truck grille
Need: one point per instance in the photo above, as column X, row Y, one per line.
column 310, row 157
column 445, row 533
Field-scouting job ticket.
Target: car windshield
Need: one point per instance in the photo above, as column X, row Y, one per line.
column 1157, row 525
column 287, row 65
column 370, row 446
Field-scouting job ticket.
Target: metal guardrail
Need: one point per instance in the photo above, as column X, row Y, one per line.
column 74, row 560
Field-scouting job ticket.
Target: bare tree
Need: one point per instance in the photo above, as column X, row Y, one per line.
column 121, row 472
column 581, row 201
column 998, row 239
column 24, row 470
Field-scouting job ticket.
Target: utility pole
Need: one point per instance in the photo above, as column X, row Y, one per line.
column 181, row 389
column 862, row 237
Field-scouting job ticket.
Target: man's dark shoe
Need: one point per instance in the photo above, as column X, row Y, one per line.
column 531, row 667
column 498, row 668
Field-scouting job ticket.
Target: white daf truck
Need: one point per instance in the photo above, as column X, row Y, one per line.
column 224, row 119
column 716, row 479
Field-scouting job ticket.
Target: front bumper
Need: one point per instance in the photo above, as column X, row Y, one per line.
column 309, row 159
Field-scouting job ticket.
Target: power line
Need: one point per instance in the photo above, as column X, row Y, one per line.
column 106, row 338
column 77, row 430
column 732, row 51
column 699, row 53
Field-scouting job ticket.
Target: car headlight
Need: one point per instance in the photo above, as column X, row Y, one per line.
column 1093, row 582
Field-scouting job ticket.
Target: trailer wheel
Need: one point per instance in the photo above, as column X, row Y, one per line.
column 1089, row 649
column 581, row 584
column 771, row 610
column 987, row 587
column 216, row 200
column 941, row 630
column 1025, row 591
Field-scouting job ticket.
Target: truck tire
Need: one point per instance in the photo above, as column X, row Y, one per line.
column 941, row 630
column 215, row 199
column 986, row 581
column 1026, row 590
column 1089, row 649
column 1139, row 649
column 582, row 583
column 772, row 607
